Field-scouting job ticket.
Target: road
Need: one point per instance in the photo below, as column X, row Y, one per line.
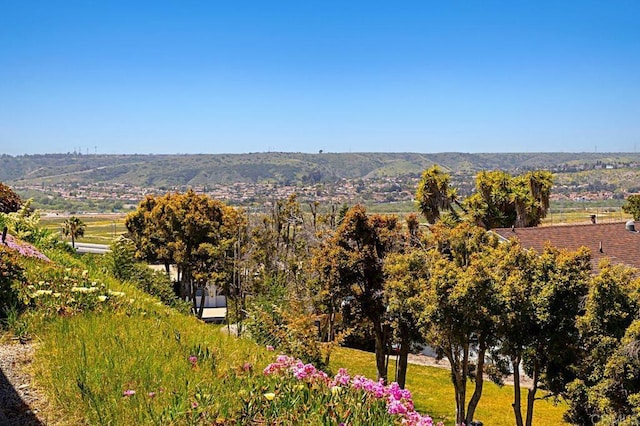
column 92, row 248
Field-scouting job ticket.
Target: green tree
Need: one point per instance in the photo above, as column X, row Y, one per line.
column 632, row 206
column 514, row 273
column 540, row 299
column 123, row 265
column 560, row 286
column 607, row 383
column 73, row 227
column 189, row 230
column 434, row 193
column 354, row 258
column 502, row 200
column 406, row 276
column 460, row 307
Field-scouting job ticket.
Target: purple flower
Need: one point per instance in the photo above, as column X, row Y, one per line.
column 342, row 378
column 24, row 249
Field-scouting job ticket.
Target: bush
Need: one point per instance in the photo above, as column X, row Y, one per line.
column 11, row 277
column 290, row 332
column 25, row 225
column 122, row 264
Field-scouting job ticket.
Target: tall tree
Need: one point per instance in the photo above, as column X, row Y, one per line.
column 540, row 299
column 514, row 273
column 502, row 200
column 406, row 276
column 460, row 307
column 434, row 193
column 559, row 288
column 607, row 383
column 356, row 258
column 190, row 230
column 74, row 228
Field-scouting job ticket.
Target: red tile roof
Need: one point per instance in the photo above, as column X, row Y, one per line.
column 610, row 240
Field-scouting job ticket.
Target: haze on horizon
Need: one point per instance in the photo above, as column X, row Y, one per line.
column 124, row 77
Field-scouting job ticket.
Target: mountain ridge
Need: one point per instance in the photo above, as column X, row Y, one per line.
column 286, row 168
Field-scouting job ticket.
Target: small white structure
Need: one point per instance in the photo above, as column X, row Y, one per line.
column 215, row 303
column 213, row 297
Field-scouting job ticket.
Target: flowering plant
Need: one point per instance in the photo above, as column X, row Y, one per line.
column 365, row 391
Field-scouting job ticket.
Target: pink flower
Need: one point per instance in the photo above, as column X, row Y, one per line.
column 194, row 405
column 151, row 394
column 342, row 378
column 128, row 392
column 396, row 407
column 193, row 360
column 398, row 401
column 270, row 348
column 247, row 366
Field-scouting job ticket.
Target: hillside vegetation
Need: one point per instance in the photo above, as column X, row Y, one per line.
column 119, row 356
column 281, row 168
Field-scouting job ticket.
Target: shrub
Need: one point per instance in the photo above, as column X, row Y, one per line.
column 289, row 331
column 122, row 264
column 25, row 225
column 11, row 277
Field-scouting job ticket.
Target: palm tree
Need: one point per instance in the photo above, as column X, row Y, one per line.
column 73, row 227
column 434, row 194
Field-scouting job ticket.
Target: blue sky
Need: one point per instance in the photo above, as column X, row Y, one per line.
column 209, row 76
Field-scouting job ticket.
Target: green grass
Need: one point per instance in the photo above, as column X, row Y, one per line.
column 433, row 392
column 99, row 229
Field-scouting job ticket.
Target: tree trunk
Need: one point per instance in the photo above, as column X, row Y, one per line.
column 517, row 399
column 479, row 381
column 531, row 396
column 381, row 365
column 73, row 241
column 201, row 307
column 458, row 378
column 403, row 362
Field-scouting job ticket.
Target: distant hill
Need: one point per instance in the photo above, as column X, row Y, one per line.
column 285, row 168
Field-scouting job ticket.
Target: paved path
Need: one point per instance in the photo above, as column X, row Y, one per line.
column 92, row 248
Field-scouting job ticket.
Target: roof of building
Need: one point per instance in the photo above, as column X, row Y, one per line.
column 612, row 240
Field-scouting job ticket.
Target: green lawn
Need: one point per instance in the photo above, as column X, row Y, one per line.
column 433, row 392
column 99, row 229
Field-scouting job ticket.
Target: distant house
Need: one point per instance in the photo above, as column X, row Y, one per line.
column 618, row 241
column 215, row 302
